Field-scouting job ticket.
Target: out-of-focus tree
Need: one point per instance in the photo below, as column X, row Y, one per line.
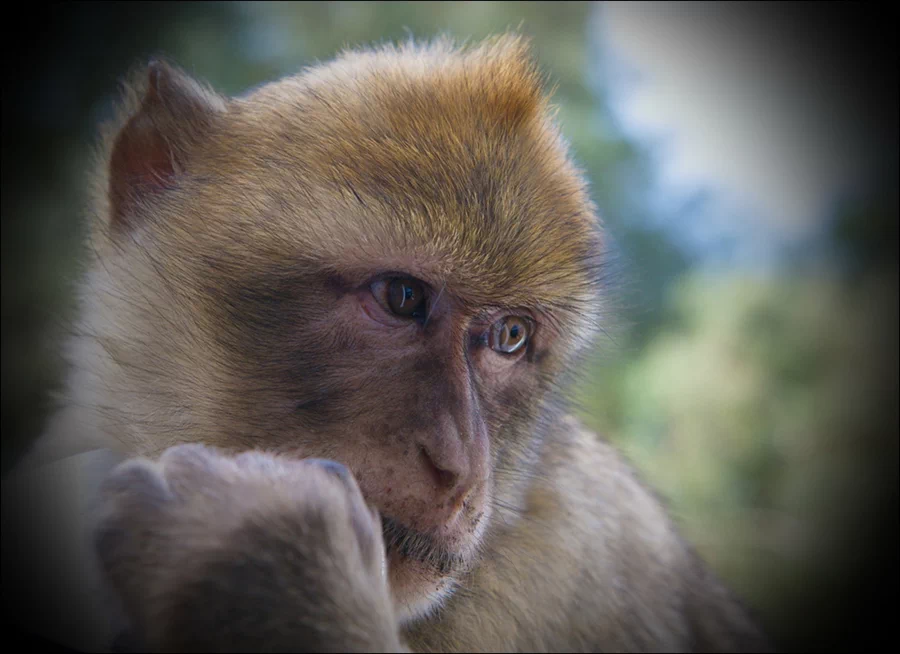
column 765, row 412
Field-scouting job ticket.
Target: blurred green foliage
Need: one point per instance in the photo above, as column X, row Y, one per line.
column 751, row 412
column 761, row 406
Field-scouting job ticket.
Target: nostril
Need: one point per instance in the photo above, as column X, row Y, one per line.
column 443, row 478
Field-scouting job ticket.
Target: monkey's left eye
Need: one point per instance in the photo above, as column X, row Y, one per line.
column 509, row 335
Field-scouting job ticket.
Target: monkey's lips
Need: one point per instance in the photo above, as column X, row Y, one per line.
column 442, row 555
column 423, row 567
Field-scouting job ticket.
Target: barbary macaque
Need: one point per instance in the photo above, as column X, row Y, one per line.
column 329, row 325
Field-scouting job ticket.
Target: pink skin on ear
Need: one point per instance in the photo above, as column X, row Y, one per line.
column 153, row 146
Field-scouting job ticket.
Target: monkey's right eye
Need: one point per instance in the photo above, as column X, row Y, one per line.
column 402, row 296
column 406, row 297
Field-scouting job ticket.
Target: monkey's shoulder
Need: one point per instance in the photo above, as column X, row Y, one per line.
column 590, row 488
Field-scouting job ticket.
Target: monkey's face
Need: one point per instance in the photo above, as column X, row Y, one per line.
column 430, row 399
column 392, row 272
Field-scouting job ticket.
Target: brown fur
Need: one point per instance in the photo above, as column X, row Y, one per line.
column 232, row 245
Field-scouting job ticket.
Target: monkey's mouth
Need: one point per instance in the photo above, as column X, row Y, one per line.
column 423, row 548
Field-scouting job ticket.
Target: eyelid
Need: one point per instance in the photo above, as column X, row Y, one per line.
column 485, row 322
column 493, row 313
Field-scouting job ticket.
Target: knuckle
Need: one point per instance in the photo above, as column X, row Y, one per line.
column 185, row 466
column 187, row 453
column 336, row 470
column 138, row 481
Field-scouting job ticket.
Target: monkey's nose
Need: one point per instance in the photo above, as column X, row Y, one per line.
column 443, row 472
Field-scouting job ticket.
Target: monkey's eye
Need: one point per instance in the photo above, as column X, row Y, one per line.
column 406, row 297
column 509, row 335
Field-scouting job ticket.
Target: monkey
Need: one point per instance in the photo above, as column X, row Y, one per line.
column 328, row 327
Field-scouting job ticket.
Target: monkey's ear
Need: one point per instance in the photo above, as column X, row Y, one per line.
column 153, row 147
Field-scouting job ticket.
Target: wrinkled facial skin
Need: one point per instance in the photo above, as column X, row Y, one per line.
column 273, row 248
column 415, row 408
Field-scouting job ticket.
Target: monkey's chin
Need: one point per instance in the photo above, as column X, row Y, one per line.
column 417, row 588
column 423, row 568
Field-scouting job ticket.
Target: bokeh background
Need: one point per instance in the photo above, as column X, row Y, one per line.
column 744, row 159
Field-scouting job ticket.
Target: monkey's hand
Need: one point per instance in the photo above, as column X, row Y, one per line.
column 254, row 552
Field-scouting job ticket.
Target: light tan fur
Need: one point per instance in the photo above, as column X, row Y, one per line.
column 440, row 162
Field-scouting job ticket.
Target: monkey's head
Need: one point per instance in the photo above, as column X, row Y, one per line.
column 388, row 261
